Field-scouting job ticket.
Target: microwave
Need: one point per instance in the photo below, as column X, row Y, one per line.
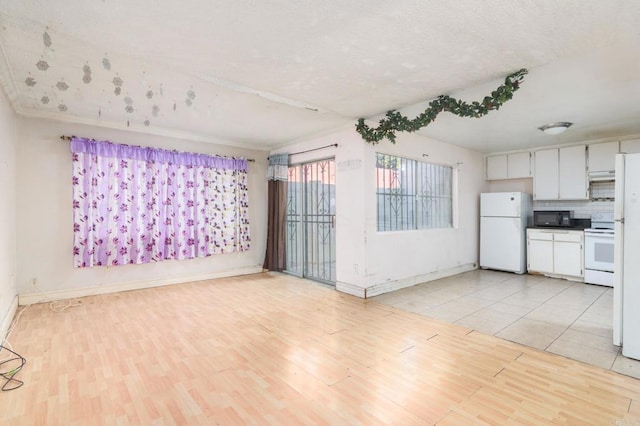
column 555, row 218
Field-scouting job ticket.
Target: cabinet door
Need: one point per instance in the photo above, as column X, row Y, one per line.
column 545, row 177
column 497, row 167
column 540, row 256
column 602, row 156
column 630, row 146
column 519, row 165
column 573, row 173
column 567, row 258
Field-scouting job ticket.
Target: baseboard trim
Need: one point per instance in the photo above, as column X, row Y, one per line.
column 378, row 289
column 351, row 289
column 8, row 319
column 50, row 296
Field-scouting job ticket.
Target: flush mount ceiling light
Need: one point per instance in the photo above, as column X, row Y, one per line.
column 555, row 128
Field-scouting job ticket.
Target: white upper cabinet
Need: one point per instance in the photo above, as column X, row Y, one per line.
column 509, row 166
column 630, row 146
column 561, row 174
column 573, row 173
column 519, row 165
column 497, row 167
column 545, row 175
column 602, row 157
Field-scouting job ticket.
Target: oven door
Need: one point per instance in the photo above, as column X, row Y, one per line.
column 598, row 251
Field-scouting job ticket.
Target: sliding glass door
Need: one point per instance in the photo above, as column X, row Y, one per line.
column 311, row 220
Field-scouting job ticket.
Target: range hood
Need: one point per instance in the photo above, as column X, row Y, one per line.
column 602, row 176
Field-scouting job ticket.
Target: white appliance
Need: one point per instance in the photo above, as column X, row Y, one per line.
column 503, row 222
column 626, row 287
column 598, row 250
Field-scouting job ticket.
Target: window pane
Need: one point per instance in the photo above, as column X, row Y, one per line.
column 434, row 196
column 412, row 194
column 394, row 197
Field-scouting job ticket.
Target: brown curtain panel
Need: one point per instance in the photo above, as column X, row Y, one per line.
column 275, row 257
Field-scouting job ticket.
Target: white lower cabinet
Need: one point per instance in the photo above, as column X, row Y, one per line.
column 540, row 252
column 556, row 253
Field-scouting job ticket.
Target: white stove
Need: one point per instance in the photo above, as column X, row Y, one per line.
column 598, row 250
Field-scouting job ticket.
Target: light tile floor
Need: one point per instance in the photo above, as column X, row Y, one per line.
column 564, row 317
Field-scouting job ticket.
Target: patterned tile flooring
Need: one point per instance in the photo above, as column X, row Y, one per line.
column 563, row 317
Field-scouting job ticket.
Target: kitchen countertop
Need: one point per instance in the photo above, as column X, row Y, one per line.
column 579, row 224
column 560, row 228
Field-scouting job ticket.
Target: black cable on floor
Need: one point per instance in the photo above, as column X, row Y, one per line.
column 11, row 383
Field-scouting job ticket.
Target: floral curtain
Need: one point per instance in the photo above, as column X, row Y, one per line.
column 137, row 205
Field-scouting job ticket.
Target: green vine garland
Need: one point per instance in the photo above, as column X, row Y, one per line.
column 396, row 122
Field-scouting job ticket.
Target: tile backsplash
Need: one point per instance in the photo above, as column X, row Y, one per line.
column 602, row 194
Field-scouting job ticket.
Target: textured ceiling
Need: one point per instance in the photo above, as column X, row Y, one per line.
column 265, row 73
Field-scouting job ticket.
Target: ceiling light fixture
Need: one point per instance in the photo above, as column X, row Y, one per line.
column 555, row 128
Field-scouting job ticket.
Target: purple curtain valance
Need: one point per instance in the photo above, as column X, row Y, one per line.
column 156, row 155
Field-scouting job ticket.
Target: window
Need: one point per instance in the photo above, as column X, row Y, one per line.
column 412, row 194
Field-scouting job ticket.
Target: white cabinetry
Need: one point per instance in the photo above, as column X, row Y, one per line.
column 509, row 166
column 602, row 156
column 561, row 174
column 573, row 173
column 556, row 253
column 497, row 167
column 545, row 175
column 568, row 255
column 539, row 251
column 519, row 165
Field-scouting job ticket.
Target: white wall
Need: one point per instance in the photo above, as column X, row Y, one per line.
column 371, row 262
column 7, row 213
column 44, row 224
column 350, row 200
column 398, row 259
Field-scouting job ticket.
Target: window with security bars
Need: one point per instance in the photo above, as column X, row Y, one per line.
column 413, row 194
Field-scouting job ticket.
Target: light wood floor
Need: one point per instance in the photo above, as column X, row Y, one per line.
column 272, row 349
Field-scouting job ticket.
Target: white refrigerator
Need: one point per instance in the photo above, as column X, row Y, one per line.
column 626, row 255
column 503, row 224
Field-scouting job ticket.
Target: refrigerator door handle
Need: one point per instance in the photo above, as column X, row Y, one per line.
column 619, row 188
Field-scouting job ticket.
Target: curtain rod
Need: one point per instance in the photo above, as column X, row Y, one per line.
column 68, row 138
column 313, row 149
